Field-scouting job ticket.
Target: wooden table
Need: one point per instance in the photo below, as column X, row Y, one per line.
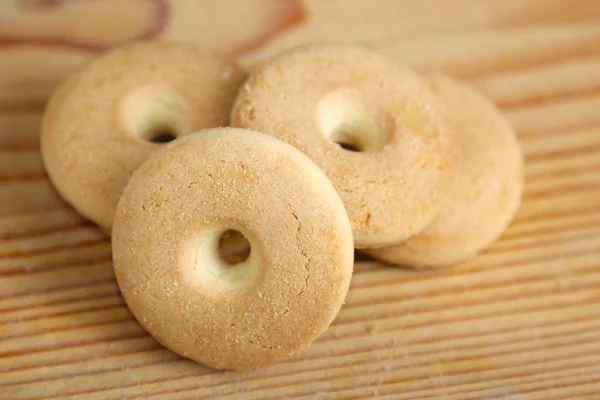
column 522, row 321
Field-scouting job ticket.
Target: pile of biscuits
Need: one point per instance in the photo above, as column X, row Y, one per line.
column 233, row 244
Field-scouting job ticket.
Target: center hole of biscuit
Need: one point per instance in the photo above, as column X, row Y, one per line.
column 346, row 141
column 234, row 248
column 155, row 113
column 163, row 137
column 353, row 123
column 224, row 259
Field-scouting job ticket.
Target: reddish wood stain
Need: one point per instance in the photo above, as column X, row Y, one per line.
column 293, row 13
column 40, row 4
column 156, row 27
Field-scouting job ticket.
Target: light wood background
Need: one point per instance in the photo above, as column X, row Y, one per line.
column 522, row 321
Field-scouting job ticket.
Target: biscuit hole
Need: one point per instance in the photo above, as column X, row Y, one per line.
column 224, row 260
column 345, row 141
column 234, row 248
column 162, row 136
column 156, row 114
column 352, row 123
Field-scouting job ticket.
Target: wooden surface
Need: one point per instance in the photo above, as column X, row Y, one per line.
column 522, row 321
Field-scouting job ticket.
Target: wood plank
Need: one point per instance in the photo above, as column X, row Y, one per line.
column 518, row 321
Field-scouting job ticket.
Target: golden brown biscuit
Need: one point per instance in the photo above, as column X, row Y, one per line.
column 166, row 238
column 368, row 123
column 100, row 124
column 488, row 192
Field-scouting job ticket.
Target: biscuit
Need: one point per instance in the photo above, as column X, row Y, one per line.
column 165, row 239
column 488, row 192
column 105, row 120
column 368, row 123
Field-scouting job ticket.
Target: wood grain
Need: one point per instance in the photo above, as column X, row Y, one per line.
column 522, row 321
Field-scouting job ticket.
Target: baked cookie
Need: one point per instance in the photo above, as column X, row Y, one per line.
column 166, row 235
column 368, row 123
column 105, row 120
column 488, row 192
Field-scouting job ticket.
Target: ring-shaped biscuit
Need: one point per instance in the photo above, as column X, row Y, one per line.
column 165, row 241
column 368, row 123
column 106, row 119
column 488, row 192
